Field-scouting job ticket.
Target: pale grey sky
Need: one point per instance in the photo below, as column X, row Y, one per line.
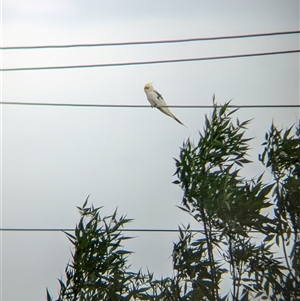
column 54, row 157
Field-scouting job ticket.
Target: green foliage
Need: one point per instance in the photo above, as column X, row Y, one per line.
column 99, row 269
column 230, row 208
column 282, row 156
column 244, row 224
column 226, row 205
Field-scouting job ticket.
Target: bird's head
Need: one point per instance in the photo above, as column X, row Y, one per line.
column 148, row 87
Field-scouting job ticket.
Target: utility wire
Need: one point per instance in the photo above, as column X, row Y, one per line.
column 142, row 106
column 121, row 230
column 72, row 230
column 153, row 42
column 154, row 62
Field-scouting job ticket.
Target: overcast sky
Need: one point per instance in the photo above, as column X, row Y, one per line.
column 54, row 157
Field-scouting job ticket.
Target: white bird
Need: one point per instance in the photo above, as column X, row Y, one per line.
column 156, row 100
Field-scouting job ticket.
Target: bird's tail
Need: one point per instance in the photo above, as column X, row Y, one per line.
column 166, row 111
column 179, row 121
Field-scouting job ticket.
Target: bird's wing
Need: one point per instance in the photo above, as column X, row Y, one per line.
column 162, row 106
column 158, row 96
column 153, row 98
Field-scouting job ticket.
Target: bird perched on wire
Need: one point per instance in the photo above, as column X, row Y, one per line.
column 156, row 100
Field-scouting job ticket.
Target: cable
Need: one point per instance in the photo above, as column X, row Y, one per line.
column 153, row 42
column 141, row 106
column 121, row 230
column 71, row 230
column 154, row 62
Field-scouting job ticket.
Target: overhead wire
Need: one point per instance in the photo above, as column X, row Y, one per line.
column 152, row 62
column 143, row 106
column 168, row 41
column 121, row 230
column 72, row 229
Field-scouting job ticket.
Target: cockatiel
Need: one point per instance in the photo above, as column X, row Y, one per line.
column 156, row 100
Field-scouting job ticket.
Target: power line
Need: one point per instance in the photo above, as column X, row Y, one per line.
column 154, row 62
column 153, row 42
column 72, row 230
column 121, row 230
column 142, row 106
